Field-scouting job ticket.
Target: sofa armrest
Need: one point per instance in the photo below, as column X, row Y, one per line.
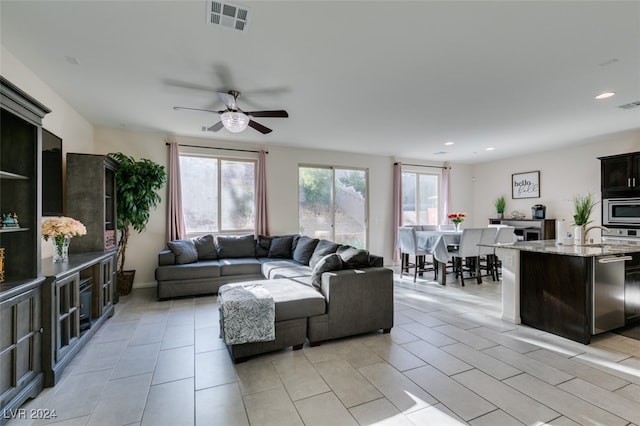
column 375, row 260
column 166, row 257
column 358, row 301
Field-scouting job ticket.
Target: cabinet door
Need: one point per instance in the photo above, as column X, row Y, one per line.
column 67, row 312
column 107, row 282
column 20, row 341
column 617, row 174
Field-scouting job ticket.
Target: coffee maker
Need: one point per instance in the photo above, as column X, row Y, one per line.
column 538, row 211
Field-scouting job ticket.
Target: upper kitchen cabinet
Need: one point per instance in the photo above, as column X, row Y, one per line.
column 620, row 175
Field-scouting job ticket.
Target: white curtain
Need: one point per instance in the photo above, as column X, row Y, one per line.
column 397, row 207
column 176, row 229
column 445, row 194
column 261, row 223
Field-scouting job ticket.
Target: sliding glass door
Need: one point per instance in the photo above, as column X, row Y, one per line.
column 333, row 204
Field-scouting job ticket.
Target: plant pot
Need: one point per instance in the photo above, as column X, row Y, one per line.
column 125, row 282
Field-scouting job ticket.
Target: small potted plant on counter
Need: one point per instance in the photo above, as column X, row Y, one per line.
column 500, row 203
column 582, row 206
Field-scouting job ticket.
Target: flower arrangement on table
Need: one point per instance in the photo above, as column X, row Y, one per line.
column 457, row 219
column 61, row 230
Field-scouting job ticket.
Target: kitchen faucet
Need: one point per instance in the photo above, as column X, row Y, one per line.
column 586, row 231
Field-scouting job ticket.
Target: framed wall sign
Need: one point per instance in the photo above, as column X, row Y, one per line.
column 525, row 185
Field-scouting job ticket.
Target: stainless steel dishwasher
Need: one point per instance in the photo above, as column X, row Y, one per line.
column 608, row 293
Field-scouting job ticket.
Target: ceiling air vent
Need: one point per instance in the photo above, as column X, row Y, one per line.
column 227, row 15
column 630, row 105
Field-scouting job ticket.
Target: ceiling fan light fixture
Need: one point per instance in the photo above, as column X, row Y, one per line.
column 234, row 121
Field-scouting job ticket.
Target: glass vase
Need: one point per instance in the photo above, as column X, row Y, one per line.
column 456, row 226
column 61, row 250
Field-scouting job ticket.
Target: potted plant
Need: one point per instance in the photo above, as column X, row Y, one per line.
column 137, row 183
column 500, row 203
column 582, row 208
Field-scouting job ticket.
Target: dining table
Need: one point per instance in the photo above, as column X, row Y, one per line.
column 437, row 243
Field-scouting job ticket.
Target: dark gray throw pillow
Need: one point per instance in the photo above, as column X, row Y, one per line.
column 281, row 247
column 184, row 251
column 323, row 248
column 304, row 249
column 331, row 262
column 353, row 257
column 262, row 246
column 206, row 247
column 230, row 246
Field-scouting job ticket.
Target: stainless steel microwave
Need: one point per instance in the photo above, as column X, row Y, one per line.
column 621, row 211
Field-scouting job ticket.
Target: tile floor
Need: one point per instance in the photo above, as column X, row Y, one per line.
column 448, row 360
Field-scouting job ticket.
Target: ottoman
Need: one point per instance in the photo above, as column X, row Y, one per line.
column 294, row 303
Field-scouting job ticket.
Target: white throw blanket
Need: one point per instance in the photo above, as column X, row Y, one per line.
column 248, row 313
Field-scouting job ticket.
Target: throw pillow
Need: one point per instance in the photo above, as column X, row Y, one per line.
column 354, row 258
column 281, row 247
column 184, row 251
column 331, row 262
column 262, row 246
column 230, row 246
column 304, row 249
column 323, row 248
column 206, row 247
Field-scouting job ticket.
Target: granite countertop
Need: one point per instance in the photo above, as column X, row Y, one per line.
column 590, row 250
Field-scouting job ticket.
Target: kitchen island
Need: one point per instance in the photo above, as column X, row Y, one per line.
column 565, row 289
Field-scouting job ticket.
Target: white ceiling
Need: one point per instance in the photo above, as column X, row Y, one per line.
column 382, row 77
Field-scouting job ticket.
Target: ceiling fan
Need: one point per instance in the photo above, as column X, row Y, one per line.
column 233, row 118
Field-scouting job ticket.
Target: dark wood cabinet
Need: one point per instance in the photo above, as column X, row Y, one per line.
column 620, row 175
column 555, row 294
column 21, row 279
column 91, row 198
column 65, row 332
column 530, row 229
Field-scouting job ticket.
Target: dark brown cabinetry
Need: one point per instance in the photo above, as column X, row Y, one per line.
column 20, row 285
column 620, row 175
column 86, row 278
column 530, row 229
column 91, row 198
column 555, row 294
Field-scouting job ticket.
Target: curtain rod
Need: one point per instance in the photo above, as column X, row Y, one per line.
column 422, row 165
column 215, row 147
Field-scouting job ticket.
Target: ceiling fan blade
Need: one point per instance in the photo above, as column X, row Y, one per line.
column 276, row 113
column 196, row 109
column 215, row 127
column 228, row 99
column 259, row 127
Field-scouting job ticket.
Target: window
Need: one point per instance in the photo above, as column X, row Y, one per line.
column 333, row 204
column 217, row 194
column 419, row 198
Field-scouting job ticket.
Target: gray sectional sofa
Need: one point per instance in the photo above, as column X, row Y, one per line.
column 322, row 290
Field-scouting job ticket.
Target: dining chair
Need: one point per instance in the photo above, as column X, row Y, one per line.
column 409, row 247
column 505, row 235
column 465, row 257
column 486, row 255
column 429, row 228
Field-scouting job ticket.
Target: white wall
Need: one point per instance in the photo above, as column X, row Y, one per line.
column 64, row 121
column 564, row 173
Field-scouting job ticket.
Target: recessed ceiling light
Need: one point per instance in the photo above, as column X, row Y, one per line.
column 605, row 95
column 449, row 143
column 489, row 149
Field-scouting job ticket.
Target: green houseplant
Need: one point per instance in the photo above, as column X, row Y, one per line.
column 582, row 207
column 137, row 183
column 500, row 203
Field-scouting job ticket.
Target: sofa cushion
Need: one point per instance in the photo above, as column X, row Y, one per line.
column 269, row 268
column 232, row 246
column 291, row 272
column 353, row 257
column 206, row 247
column 281, row 247
column 294, row 300
column 240, row 266
column 331, row 262
column 201, row 269
column 304, row 249
column 263, row 243
column 323, row 248
column 184, row 251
